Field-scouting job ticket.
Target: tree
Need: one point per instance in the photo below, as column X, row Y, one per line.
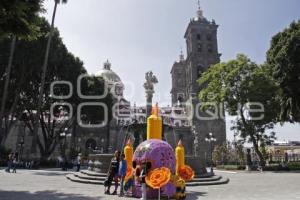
column 239, row 152
column 25, row 83
column 283, row 63
column 43, row 77
column 20, row 18
column 6, row 84
column 221, row 154
column 242, row 85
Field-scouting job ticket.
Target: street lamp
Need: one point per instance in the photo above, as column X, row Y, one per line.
column 102, row 145
column 21, row 143
column 196, row 140
column 211, row 139
column 63, row 135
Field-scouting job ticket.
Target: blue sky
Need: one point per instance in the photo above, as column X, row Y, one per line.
column 142, row 35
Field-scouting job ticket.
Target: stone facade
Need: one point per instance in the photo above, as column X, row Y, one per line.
column 202, row 52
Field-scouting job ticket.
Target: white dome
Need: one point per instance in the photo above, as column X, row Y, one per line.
column 108, row 75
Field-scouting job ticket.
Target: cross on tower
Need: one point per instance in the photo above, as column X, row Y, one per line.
column 199, row 11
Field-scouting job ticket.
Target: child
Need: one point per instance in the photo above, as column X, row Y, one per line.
column 122, row 173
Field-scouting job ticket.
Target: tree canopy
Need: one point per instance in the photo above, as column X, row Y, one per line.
column 283, row 63
column 26, row 79
column 248, row 93
column 20, row 17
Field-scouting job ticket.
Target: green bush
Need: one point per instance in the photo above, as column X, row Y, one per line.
column 231, row 167
column 272, row 168
column 294, row 165
column 47, row 163
column 276, row 167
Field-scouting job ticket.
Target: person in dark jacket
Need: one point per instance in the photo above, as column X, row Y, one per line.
column 113, row 173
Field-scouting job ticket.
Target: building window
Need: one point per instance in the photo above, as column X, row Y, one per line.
column 210, row 48
column 198, row 37
column 209, row 37
column 199, row 47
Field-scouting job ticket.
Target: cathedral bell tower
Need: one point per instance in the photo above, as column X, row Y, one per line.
column 202, row 52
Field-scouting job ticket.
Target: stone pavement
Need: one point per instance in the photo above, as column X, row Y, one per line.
column 52, row 185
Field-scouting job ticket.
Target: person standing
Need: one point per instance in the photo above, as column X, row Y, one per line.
column 9, row 162
column 78, row 162
column 113, row 173
column 15, row 163
column 122, row 173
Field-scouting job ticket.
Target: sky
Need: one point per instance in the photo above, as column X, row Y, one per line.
column 137, row 36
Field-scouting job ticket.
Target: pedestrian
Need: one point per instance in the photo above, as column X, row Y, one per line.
column 122, row 173
column 9, row 162
column 78, row 162
column 15, row 163
column 113, row 173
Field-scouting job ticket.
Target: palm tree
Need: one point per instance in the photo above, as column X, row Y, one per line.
column 44, row 72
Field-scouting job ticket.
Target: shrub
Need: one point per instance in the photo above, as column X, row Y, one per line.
column 231, row 167
column 294, row 165
column 48, row 163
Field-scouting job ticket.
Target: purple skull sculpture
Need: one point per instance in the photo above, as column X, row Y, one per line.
column 155, row 154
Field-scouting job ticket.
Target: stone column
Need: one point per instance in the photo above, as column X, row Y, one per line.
column 149, row 89
column 149, row 96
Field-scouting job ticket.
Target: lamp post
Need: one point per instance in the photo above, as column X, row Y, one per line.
column 196, row 140
column 21, row 144
column 211, row 139
column 102, row 145
column 63, row 135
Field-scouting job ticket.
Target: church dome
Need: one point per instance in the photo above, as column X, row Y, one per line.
column 108, row 75
column 112, row 79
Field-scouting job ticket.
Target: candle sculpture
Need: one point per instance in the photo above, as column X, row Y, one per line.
column 154, row 125
column 166, row 170
column 128, row 151
column 180, row 160
column 182, row 170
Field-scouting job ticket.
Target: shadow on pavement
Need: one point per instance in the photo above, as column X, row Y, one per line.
column 42, row 195
column 195, row 195
column 50, row 173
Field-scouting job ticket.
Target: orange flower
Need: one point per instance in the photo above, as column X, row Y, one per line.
column 186, row 173
column 158, row 178
column 129, row 173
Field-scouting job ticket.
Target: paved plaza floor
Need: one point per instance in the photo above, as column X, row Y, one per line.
column 52, row 185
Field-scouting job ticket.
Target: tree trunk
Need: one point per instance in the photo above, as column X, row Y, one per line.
column 41, row 89
column 257, row 151
column 254, row 141
column 7, row 79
